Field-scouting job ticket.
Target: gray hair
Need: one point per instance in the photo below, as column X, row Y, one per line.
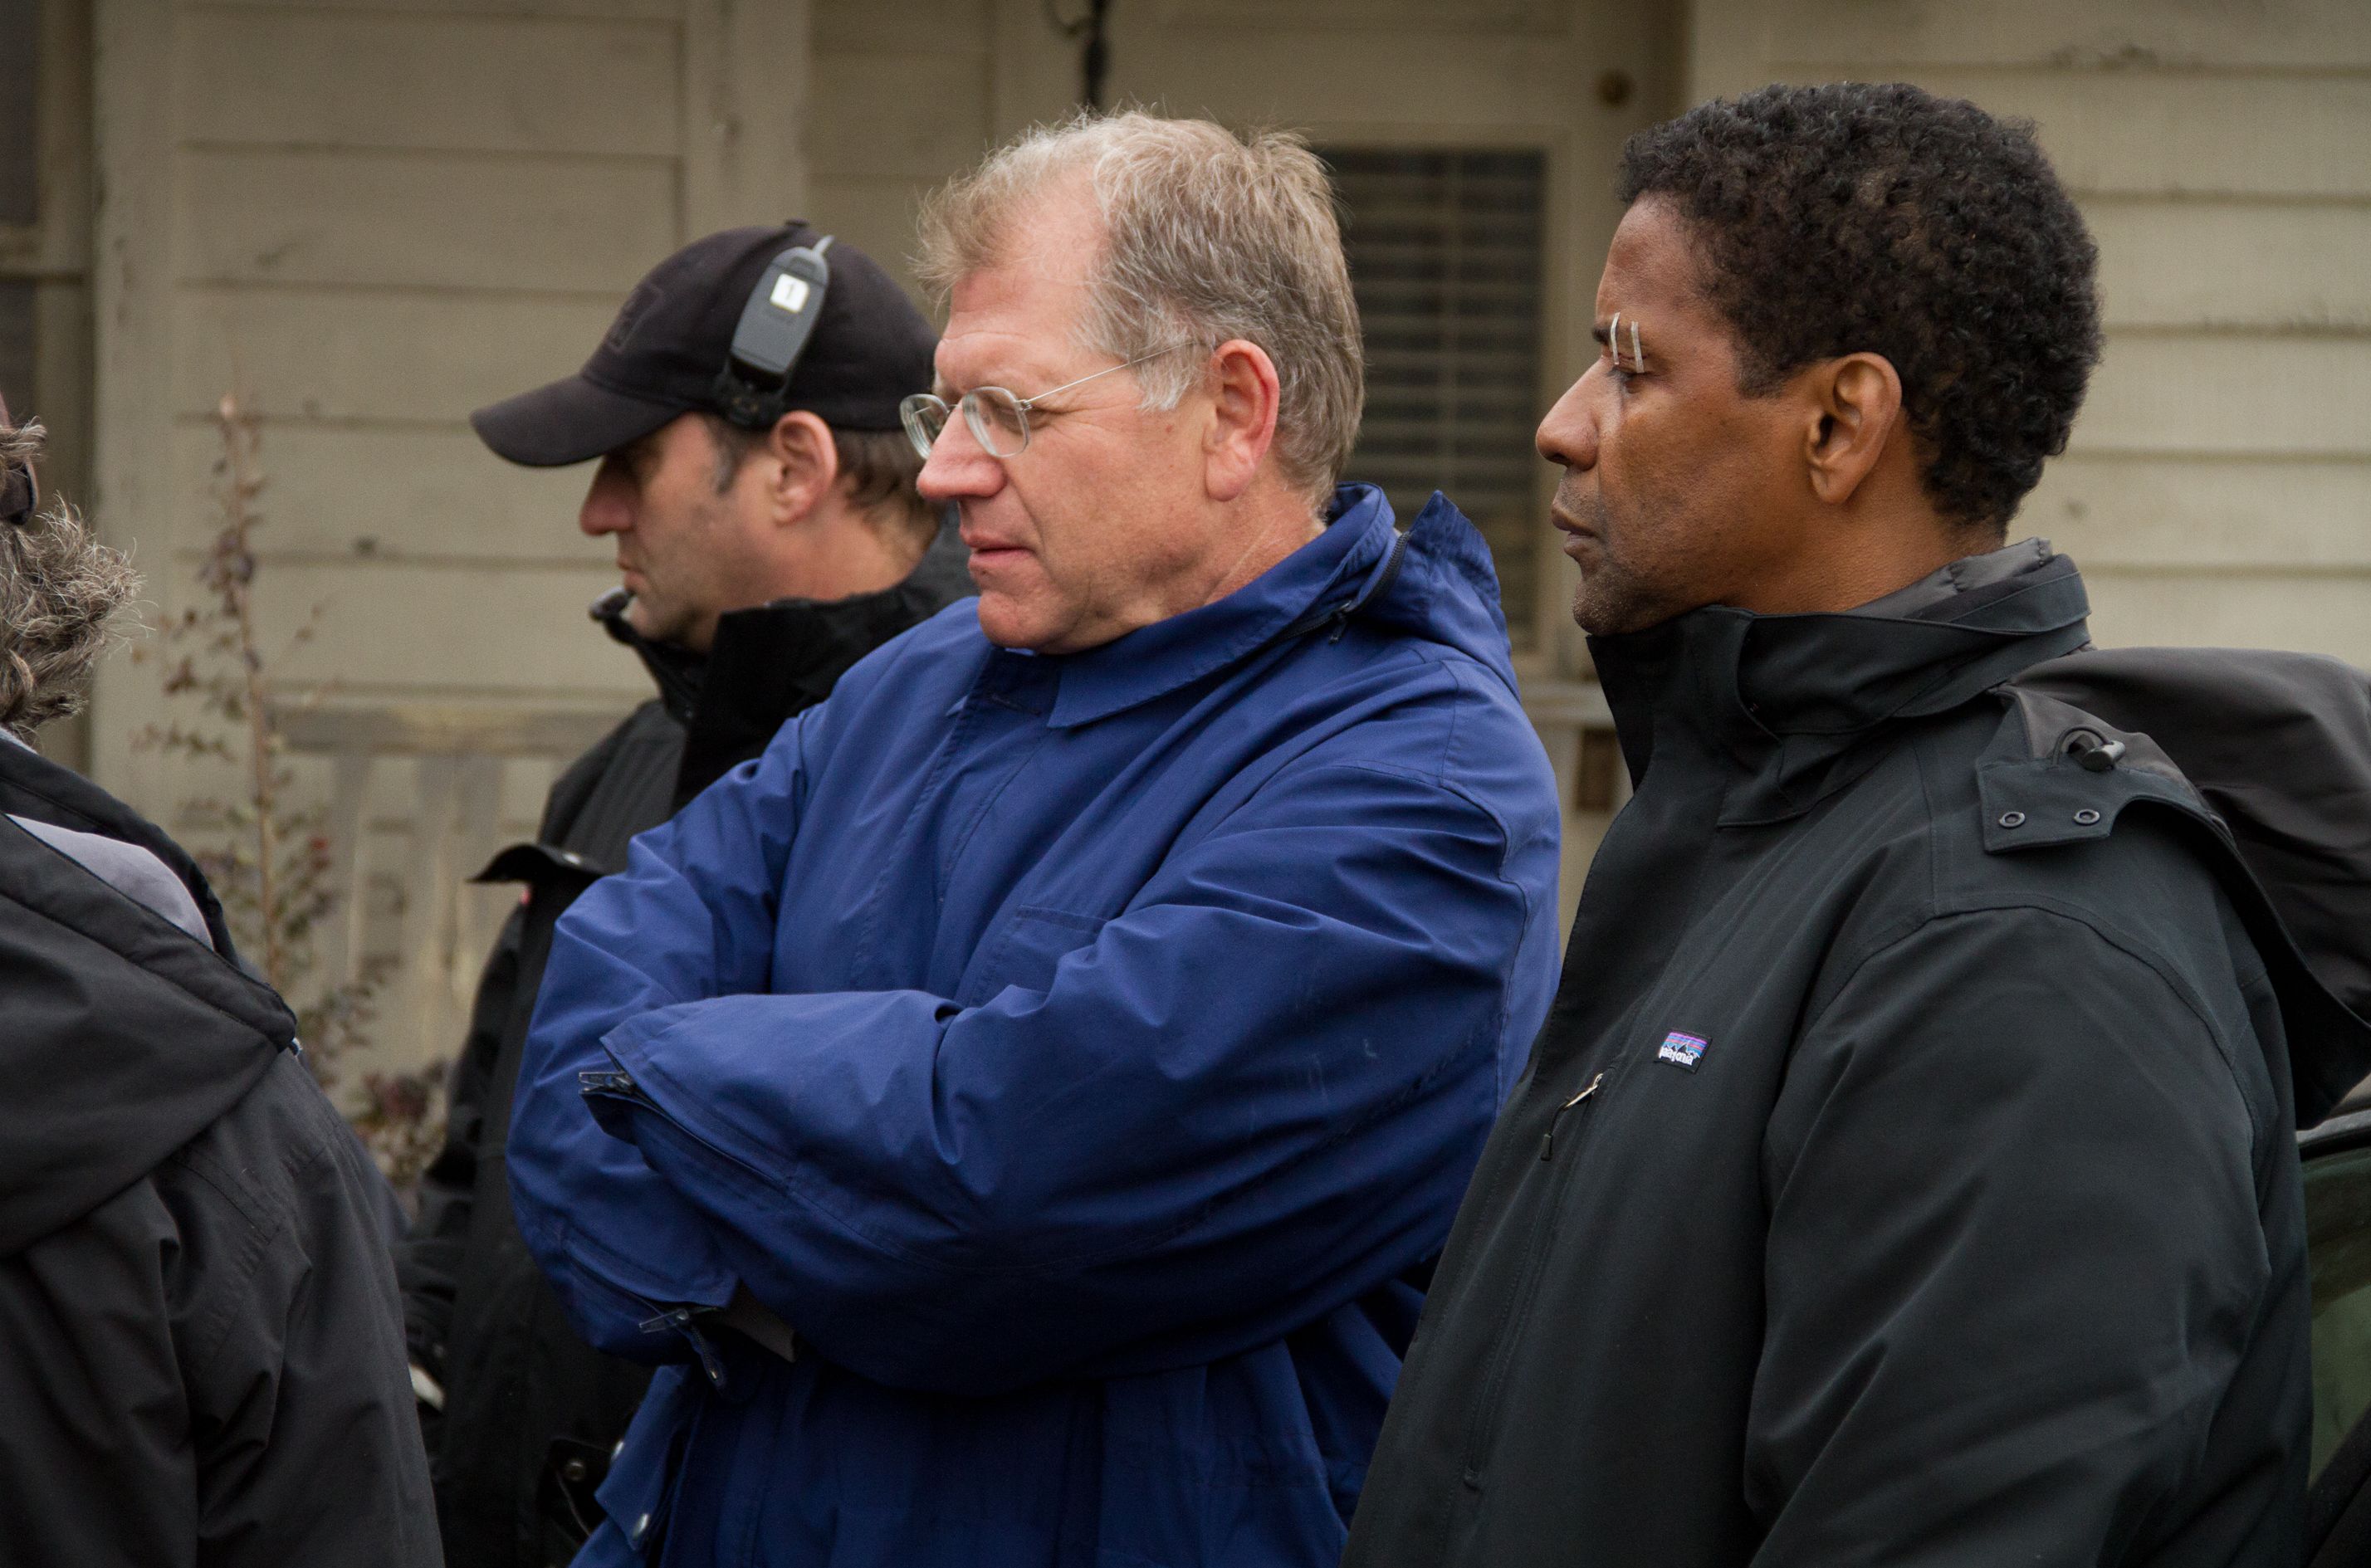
column 1210, row 236
column 62, row 593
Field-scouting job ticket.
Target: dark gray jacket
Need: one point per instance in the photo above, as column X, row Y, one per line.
column 200, row 1348
column 1905, row 1173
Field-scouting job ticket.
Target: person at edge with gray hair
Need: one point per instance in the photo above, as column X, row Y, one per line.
column 1906, row 1173
column 202, row 1351
column 1019, row 1109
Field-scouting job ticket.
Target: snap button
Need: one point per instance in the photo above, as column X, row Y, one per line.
column 2012, row 819
column 2086, row 817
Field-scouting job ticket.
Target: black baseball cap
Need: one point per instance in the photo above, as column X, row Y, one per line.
column 871, row 349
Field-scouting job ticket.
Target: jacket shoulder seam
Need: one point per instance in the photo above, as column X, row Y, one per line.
column 2167, row 974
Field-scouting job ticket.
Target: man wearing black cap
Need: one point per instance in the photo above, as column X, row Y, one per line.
column 760, row 496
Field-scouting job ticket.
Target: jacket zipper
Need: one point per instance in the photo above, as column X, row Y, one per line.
column 1502, row 1353
column 615, row 1083
column 1547, row 1139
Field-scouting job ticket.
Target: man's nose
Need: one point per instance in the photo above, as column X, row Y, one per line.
column 1567, row 435
column 958, row 466
column 608, row 503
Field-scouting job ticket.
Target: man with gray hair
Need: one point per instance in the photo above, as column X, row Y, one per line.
column 1018, row 1112
column 201, row 1349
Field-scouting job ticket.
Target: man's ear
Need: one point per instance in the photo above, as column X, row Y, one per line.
column 804, row 464
column 1855, row 408
column 1242, row 417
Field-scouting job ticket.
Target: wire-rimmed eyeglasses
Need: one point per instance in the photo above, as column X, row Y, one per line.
column 997, row 417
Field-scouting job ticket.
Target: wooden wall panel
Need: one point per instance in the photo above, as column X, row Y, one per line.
column 878, row 217
column 2123, row 34
column 437, row 220
column 360, row 492
column 2205, row 512
column 404, row 630
column 901, row 102
column 2268, row 608
column 909, row 27
column 658, row 10
column 2188, row 134
column 2233, row 392
column 480, row 83
column 2252, row 265
column 906, row 116
column 341, row 353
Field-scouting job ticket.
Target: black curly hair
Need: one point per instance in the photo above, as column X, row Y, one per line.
column 1858, row 217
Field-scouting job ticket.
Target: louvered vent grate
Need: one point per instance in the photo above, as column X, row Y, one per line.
column 1445, row 260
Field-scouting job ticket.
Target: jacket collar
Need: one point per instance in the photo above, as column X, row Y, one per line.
column 1151, row 662
column 1783, row 702
column 776, row 660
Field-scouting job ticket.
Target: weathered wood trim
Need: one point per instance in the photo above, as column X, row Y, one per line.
column 132, row 97
column 744, row 112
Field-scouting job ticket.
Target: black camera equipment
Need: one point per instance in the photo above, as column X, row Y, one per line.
column 753, row 388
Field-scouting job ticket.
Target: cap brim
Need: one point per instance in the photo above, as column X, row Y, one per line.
column 571, row 421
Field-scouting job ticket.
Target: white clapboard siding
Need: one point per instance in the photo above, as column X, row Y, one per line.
column 390, row 491
column 901, row 103
column 2312, row 35
column 447, row 219
column 347, row 353
column 541, row 10
column 2233, row 263
column 458, row 84
column 407, row 630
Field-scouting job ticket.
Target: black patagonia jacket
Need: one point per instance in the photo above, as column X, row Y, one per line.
column 531, row 1414
column 201, row 1347
column 1905, row 1173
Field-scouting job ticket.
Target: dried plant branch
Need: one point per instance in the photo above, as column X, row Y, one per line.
column 271, row 858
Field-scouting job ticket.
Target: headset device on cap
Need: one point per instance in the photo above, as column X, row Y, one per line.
column 745, row 324
column 776, row 322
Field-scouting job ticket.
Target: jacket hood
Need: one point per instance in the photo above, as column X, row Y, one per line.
column 125, row 1037
column 1789, row 698
column 1433, row 580
column 775, row 659
column 2277, row 746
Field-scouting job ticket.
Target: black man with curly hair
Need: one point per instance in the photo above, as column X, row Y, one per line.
column 1905, row 1173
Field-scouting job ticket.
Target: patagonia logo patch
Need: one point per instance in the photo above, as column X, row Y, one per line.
column 1687, row 1050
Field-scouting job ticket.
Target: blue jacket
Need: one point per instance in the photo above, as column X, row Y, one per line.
column 1085, row 1053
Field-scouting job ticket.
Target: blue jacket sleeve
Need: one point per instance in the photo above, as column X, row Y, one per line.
column 618, row 1244
column 1255, row 1095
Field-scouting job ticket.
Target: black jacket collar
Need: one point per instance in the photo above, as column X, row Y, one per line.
column 1781, row 703
column 779, row 659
